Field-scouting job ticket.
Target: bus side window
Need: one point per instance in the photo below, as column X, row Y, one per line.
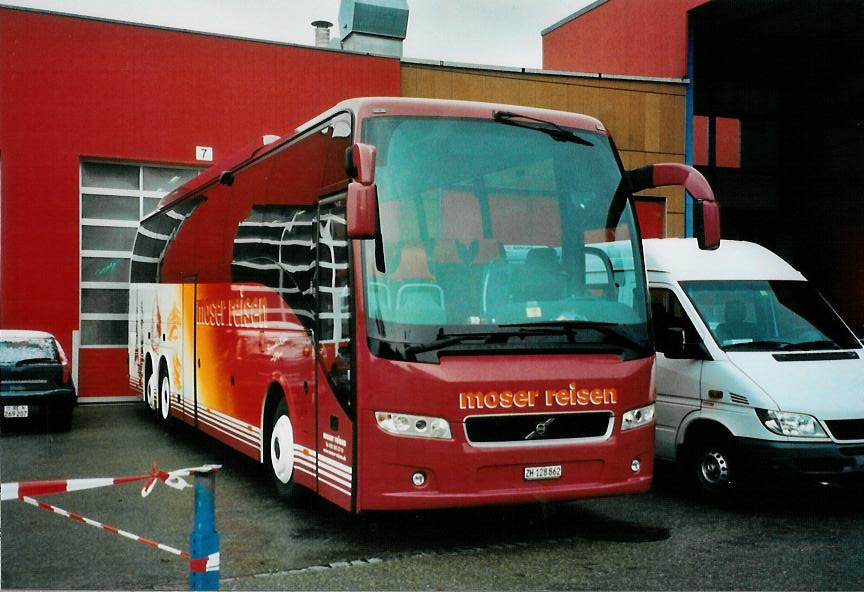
column 154, row 235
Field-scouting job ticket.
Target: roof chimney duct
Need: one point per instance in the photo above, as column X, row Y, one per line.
column 322, row 33
column 373, row 26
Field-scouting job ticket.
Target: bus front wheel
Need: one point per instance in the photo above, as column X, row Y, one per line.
column 280, row 452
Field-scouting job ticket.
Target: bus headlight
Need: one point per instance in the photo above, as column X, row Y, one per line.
column 402, row 424
column 636, row 418
column 797, row 425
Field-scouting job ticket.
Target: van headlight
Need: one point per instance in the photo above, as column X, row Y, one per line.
column 421, row 426
column 637, row 417
column 798, row 425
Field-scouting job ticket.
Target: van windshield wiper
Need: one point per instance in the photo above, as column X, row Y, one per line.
column 761, row 345
column 608, row 330
column 555, row 131
column 811, row 345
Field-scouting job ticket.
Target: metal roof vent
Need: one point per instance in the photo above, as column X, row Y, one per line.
column 374, row 26
column 322, row 33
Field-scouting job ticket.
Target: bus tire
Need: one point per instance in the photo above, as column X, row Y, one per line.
column 280, row 453
column 149, row 390
column 164, row 403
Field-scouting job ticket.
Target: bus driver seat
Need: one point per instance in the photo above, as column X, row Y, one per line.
column 541, row 277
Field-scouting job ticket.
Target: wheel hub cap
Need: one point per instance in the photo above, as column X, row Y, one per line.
column 715, row 469
column 282, row 449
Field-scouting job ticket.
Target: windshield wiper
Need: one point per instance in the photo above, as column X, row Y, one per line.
column 811, row 345
column 34, row 361
column 555, row 131
column 443, row 340
column 569, row 326
column 765, row 345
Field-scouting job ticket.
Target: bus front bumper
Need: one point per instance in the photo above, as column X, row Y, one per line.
column 413, row 473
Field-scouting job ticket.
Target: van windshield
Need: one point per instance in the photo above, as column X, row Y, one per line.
column 768, row 316
column 492, row 230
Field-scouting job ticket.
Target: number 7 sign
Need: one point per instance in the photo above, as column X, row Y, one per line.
column 204, row 153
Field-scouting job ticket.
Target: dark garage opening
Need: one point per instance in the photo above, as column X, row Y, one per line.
column 792, row 72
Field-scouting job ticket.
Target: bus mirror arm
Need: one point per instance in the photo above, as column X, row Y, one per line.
column 706, row 212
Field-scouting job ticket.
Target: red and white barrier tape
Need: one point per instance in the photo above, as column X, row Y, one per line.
column 172, row 479
column 111, row 529
column 24, row 489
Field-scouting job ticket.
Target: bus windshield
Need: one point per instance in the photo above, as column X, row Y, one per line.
column 492, row 231
column 745, row 315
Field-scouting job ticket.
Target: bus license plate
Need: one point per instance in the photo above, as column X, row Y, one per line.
column 540, row 473
column 15, row 411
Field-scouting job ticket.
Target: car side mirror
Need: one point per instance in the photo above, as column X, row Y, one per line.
column 706, row 213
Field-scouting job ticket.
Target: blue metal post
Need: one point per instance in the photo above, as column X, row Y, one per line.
column 688, row 126
column 204, row 540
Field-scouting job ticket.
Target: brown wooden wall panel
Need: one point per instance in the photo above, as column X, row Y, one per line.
column 646, row 119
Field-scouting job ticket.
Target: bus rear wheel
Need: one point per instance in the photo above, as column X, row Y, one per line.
column 280, row 453
column 164, row 399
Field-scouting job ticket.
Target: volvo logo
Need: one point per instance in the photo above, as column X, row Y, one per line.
column 540, row 429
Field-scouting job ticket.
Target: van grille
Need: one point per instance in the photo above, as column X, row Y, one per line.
column 847, row 429
column 536, row 427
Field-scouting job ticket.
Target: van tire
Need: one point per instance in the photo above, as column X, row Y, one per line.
column 279, row 454
column 712, row 469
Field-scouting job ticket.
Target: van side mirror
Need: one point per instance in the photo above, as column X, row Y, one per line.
column 706, row 212
column 676, row 347
column 362, row 208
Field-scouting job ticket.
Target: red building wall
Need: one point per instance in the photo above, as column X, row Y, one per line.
column 73, row 88
column 629, row 37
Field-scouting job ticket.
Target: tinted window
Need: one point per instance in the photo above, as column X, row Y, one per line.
column 768, row 316
column 15, row 350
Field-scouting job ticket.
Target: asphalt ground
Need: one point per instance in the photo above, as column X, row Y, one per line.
column 778, row 539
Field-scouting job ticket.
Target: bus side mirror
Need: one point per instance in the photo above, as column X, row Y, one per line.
column 363, row 161
column 362, row 210
column 706, row 213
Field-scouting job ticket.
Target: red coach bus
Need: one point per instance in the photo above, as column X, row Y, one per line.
column 411, row 304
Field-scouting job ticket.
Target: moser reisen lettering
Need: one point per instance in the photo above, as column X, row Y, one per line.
column 569, row 397
column 232, row 312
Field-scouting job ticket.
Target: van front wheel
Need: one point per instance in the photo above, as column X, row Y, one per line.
column 713, row 469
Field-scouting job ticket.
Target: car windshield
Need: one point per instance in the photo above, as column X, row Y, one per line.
column 14, row 350
column 485, row 225
column 768, row 316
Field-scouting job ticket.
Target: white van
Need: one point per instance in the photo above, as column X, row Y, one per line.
column 756, row 373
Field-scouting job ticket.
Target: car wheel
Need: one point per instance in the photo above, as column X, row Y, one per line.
column 164, row 400
column 280, row 453
column 713, row 469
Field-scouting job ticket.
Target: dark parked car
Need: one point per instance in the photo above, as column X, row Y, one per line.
column 35, row 379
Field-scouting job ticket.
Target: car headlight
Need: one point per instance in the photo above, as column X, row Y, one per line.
column 637, row 417
column 402, row 424
column 798, row 425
